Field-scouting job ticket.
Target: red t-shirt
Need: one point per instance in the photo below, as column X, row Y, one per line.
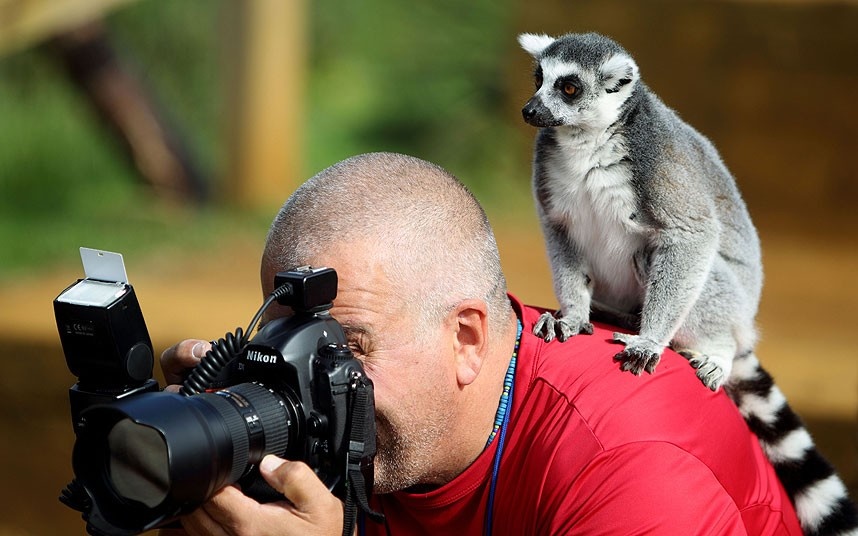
column 591, row 449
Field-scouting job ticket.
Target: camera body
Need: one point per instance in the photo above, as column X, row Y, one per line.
column 142, row 457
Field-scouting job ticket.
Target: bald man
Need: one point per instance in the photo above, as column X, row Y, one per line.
column 482, row 427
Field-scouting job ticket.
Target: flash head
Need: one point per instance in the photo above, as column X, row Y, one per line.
column 101, row 326
column 103, row 334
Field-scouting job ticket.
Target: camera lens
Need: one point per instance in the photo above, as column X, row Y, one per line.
column 138, row 466
column 170, row 453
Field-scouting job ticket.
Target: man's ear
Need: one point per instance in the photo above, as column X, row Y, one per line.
column 469, row 321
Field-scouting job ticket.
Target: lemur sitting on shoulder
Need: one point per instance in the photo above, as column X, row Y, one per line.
column 642, row 220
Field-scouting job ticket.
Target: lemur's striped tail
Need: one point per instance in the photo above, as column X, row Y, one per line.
column 820, row 497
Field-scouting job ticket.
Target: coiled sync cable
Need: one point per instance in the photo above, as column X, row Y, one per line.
column 226, row 349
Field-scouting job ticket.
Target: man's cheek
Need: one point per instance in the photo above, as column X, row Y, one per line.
column 383, row 427
column 381, row 393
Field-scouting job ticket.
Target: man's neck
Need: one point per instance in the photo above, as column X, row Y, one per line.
column 478, row 405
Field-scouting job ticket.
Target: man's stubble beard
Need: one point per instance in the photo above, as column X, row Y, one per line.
column 407, row 451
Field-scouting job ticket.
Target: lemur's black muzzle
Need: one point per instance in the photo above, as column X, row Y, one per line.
column 537, row 114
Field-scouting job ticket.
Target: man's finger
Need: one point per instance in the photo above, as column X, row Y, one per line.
column 201, row 523
column 178, row 359
column 227, row 512
column 297, row 482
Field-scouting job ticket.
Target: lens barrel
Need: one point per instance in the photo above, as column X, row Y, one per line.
column 168, row 453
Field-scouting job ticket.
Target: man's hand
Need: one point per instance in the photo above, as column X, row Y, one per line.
column 313, row 509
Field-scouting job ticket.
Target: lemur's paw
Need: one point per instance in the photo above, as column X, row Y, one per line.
column 549, row 326
column 709, row 373
column 639, row 355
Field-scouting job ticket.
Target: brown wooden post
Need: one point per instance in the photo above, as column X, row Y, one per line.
column 266, row 73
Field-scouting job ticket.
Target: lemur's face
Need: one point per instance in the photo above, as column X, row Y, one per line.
column 581, row 81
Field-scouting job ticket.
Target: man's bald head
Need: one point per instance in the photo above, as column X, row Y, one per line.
column 426, row 228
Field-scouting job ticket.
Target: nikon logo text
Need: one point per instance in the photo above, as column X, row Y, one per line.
column 259, row 357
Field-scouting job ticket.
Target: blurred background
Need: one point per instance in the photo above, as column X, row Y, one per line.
column 171, row 131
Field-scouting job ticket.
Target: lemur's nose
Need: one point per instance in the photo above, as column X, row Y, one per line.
column 532, row 111
column 529, row 110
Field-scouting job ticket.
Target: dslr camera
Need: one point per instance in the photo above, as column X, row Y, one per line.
column 143, row 457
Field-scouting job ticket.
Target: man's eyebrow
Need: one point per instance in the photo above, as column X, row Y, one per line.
column 355, row 330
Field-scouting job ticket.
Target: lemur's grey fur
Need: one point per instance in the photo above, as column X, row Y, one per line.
column 642, row 220
column 639, row 213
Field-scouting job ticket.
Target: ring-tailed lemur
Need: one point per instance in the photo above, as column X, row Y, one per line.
column 643, row 220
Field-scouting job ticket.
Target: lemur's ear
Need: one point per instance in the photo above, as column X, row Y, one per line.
column 617, row 71
column 534, row 44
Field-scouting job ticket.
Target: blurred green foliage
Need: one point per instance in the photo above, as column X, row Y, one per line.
column 421, row 78
column 424, row 78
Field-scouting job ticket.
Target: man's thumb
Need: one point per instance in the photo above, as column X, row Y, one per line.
column 295, row 480
column 269, row 465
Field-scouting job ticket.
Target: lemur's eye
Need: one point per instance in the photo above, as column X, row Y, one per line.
column 569, row 89
column 538, row 80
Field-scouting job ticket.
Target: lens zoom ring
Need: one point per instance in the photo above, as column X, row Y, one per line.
column 272, row 414
column 237, row 432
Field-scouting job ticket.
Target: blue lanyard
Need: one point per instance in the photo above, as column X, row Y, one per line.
column 504, row 410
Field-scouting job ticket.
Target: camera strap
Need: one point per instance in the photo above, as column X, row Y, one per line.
column 360, row 442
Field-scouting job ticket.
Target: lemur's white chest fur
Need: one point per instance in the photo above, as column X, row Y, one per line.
column 590, row 195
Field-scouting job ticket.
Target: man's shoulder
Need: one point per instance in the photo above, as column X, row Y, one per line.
column 619, row 406
column 586, row 427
